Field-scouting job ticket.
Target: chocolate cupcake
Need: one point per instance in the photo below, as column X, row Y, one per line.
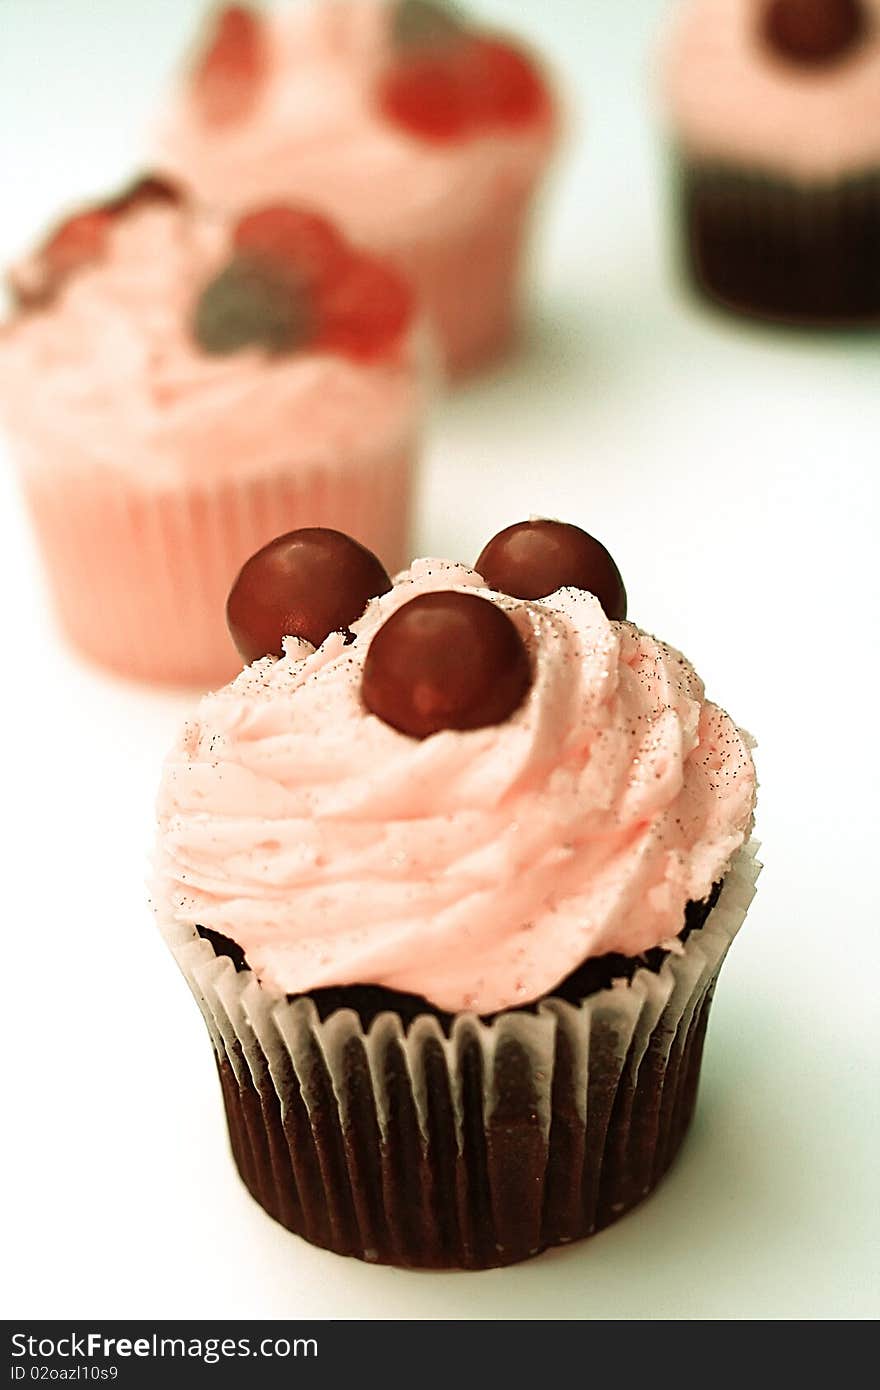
column 774, row 107
column 452, row 872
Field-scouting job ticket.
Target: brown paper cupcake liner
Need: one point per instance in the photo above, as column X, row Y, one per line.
column 469, row 1148
column 805, row 254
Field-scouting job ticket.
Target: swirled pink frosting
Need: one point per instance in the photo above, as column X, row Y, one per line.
column 730, row 97
column 317, row 133
column 112, row 364
column 477, row 869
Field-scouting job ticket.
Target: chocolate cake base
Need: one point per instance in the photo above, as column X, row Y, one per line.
column 423, row 1200
column 377, row 1126
column 806, row 255
column 368, row 1001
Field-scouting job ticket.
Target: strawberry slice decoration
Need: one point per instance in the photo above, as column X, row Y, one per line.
column 79, row 241
column 309, row 244
column 82, row 240
column 229, row 73
column 505, row 87
column 364, row 311
column 429, row 97
column 449, row 82
column 293, row 282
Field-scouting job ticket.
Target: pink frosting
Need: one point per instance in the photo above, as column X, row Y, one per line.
column 112, row 363
column 477, row 869
column 731, row 98
column 317, row 134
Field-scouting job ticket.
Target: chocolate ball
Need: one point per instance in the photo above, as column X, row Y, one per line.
column 308, row 584
column 532, row 559
column 445, row 660
column 814, row 31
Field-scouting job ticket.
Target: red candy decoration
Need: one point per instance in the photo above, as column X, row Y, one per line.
column 427, row 95
column 507, row 89
column 445, row 660
column 82, row 239
column 814, row 32
column 79, row 241
column 307, row 584
column 364, row 310
column 228, row 75
column 463, row 89
column 294, row 282
column 301, row 242
column 532, row 559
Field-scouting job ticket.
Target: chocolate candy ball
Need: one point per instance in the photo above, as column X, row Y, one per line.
column 445, row 660
column 535, row 558
column 307, row 584
column 814, row 31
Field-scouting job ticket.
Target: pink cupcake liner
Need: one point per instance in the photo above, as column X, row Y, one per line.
column 140, row 577
column 470, row 284
column 476, row 1148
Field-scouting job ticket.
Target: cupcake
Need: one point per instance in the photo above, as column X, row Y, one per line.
column 775, row 112
column 178, row 390
column 423, row 135
column 452, row 879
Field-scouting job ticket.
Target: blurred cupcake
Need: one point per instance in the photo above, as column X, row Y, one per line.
column 452, row 881
column 423, row 135
column 177, row 391
column 775, row 111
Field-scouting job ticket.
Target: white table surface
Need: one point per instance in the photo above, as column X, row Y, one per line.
column 731, row 471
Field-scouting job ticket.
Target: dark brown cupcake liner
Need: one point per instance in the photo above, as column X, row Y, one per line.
column 469, row 1148
column 803, row 254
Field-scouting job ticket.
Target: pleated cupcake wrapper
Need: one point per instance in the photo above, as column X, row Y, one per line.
column 407, row 1146
column 785, row 251
column 140, row 576
column 470, row 282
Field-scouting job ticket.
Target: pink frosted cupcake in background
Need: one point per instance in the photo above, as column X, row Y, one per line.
column 774, row 110
column 423, row 135
column 177, row 390
column 451, row 870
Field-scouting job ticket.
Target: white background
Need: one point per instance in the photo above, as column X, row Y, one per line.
column 731, row 470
